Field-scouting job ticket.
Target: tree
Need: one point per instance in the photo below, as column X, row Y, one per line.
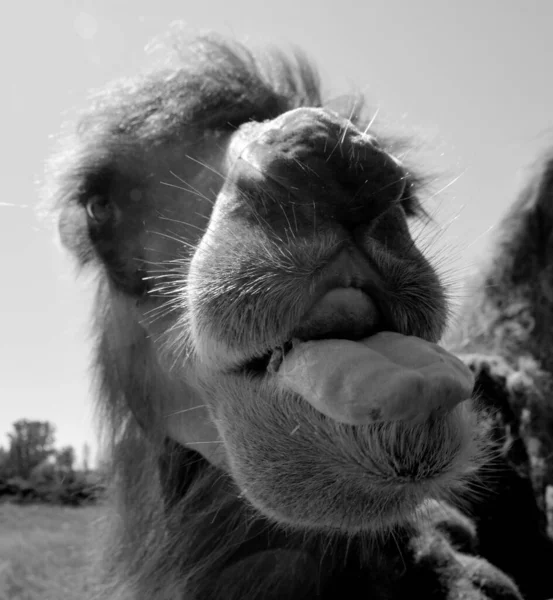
column 31, row 443
column 86, row 457
column 65, row 459
column 3, row 462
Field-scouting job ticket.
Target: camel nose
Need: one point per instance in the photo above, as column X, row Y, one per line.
column 321, row 165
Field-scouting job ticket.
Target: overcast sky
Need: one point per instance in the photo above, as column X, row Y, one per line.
column 472, row 78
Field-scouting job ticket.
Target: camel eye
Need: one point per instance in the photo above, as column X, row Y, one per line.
column 98, row 209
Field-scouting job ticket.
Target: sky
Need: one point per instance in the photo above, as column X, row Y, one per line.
column 472, row 80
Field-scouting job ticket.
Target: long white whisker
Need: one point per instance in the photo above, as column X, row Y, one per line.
column 184, row 410
column 371, row 122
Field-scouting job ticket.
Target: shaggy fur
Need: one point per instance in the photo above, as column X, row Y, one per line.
column 212, row 198
column 506, row 331
column 511, row 313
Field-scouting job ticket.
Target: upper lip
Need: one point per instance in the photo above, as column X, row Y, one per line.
column 348, row 268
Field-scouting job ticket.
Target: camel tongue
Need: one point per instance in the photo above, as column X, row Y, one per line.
column 385, row 377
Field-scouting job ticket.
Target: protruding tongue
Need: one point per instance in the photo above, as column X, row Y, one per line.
column 384, row 377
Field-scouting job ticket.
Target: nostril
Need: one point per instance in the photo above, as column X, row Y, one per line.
column 309, row 166
column 375, row 182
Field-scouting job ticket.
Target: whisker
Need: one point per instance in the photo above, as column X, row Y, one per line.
column 212, row 442
column 172, row 237
column 206, row 166
column 454, row 180
column 184, row 410
column 371, row 122
column 189, row 190
column 190, row 187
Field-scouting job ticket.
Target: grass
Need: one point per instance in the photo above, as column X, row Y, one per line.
column 47, row 552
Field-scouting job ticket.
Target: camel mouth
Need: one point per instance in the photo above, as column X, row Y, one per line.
column 346, row 313
column 344, row 360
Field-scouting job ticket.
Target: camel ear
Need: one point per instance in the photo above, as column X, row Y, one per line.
column 544, row 208
column 525, row 236
column 544, row 191
column 535, row 204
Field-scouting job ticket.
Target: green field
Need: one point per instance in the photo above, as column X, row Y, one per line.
column 47, row 552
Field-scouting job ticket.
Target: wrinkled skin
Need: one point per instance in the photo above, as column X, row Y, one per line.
column 228, row 217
